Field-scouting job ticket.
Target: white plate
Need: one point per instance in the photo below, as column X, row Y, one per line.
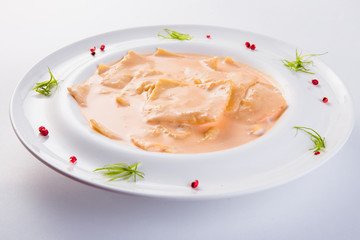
column 275, row 158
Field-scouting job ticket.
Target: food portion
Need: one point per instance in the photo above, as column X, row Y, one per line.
column 179, row 102
column 182, row 103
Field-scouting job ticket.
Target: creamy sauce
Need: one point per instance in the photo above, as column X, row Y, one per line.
column 179, row 103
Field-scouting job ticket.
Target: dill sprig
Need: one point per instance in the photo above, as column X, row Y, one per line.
column 301, row 63
column 175, row 35
column 315, row 137
column 121, row 171
column 45, row 88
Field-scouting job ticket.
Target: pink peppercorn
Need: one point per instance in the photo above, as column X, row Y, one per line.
column 247, row 44
column 73, row 159
column 325, row 100
column 92, row 51
column 317, row 153
column 315, row 82
column 208, row 36
column 43, row 131
column 102, row 47
column 252, row 47
column 194, row 184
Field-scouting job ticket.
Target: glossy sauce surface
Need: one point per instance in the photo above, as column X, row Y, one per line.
column 179, row 103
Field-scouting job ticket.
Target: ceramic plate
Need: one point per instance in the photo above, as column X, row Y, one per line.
column 275, row 158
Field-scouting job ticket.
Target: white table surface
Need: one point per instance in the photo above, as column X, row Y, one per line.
column 39, row 203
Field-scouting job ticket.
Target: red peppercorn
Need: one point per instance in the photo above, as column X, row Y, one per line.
column 315, row 82
column 247, row 44
column 325, row 100
column 208, row 36
column 93, row 49
column 102, row 47
column 252, row 47
column 194, row 184
column 73, row 159
column 317, row 153
column 43, row 131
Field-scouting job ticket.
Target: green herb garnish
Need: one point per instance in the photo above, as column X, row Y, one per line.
column 301, row 63
column 315, row 137
column 45, row 88
column 175, row 35
column 121, row 171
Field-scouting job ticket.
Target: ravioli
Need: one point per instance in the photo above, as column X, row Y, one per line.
column 179, row 102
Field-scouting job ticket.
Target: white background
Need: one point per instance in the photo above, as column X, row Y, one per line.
column 38, row 203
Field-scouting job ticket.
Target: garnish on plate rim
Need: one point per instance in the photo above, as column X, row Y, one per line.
column 315, row 81
column 251, row 46
column 315, row 137
column 195, row 184
column 121, row 171
column 301, row 63
column 93, row 51
column 45, row 88
column 43, row 131
column 73, row 159
column 175, row 35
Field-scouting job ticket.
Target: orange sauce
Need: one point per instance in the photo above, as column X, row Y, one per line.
column 179, row 103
